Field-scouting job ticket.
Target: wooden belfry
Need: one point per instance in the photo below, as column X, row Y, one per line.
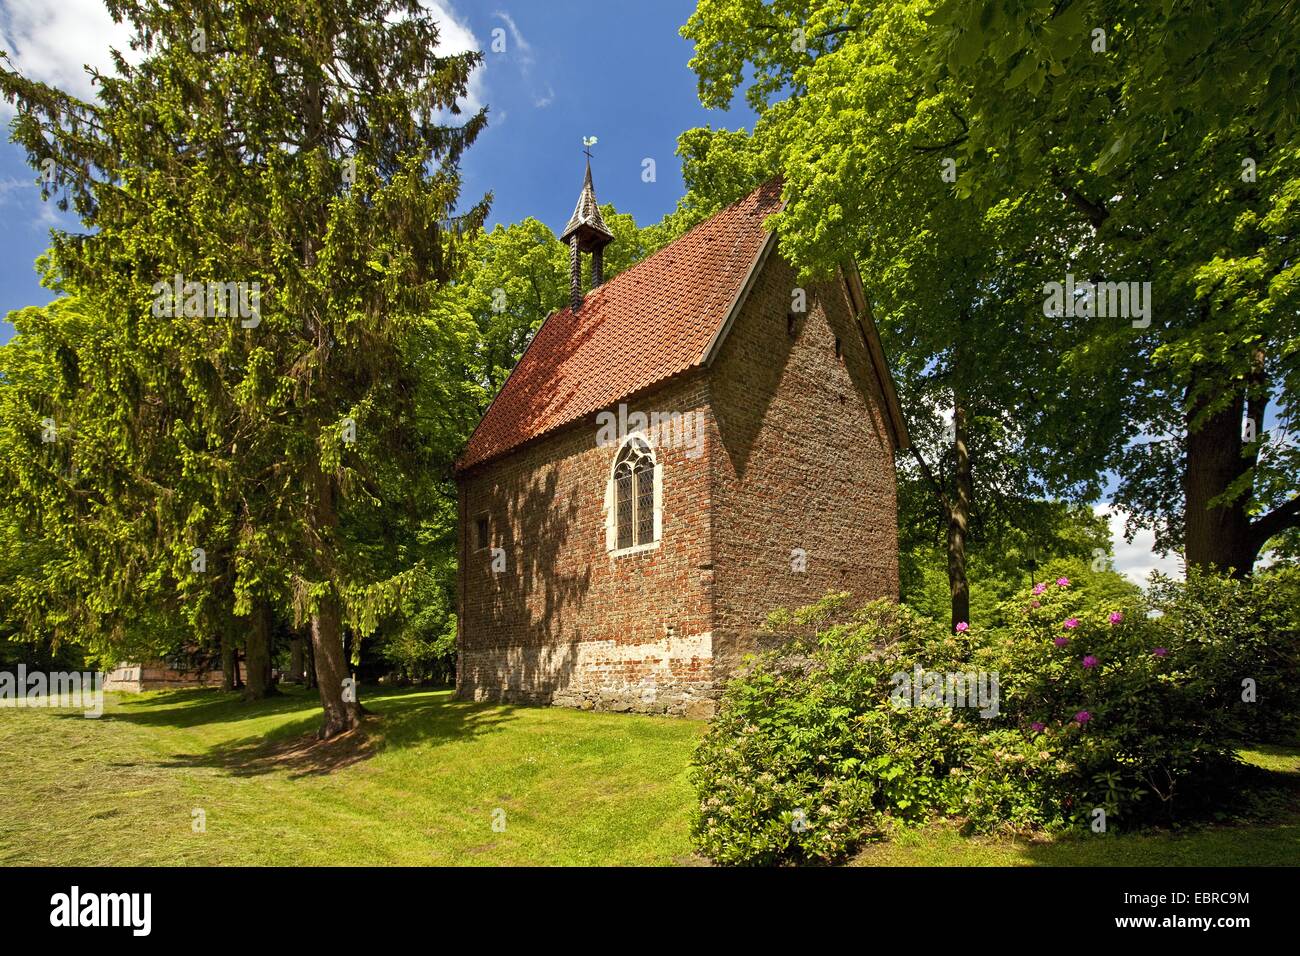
column 586, row 232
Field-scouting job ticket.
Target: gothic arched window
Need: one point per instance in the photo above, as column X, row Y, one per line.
column 634, row 497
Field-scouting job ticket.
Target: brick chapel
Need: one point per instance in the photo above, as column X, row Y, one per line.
column 677, row 453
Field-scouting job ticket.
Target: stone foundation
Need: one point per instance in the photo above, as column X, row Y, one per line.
column 670, row 676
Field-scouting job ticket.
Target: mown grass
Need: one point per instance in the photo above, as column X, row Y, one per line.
column 1271, row 837
column 421, row 786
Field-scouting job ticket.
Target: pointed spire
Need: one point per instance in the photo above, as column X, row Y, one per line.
column 586, row 221
column 586, row 232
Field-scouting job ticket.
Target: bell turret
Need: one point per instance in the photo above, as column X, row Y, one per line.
column 586, row 232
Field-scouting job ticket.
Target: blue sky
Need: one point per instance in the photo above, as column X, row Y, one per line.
column 569, row 68
column 615, row 69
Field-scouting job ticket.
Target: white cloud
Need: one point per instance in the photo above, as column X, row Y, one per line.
column 523, row 50
column 524, row 60
column 23, row 197
column 11, row 187
column 54, row 42
column 48, row 216
column 455, row 36
column 1137, row 560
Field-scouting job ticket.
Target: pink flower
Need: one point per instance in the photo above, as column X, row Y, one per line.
column 1035, row 604
column 1160, row 652
column 962, row 627
column 1037, row 727
column 1061, row 641
column 1116, row 617
column 1090, row 661
column 1063, row 582
column 1071, row 623
column 1039, row 588
column 1083, row 717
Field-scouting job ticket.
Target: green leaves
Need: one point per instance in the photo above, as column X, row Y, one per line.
column 1114, row 154
column 1022, row 72
column 1131, row 142
column 258, row 163
column 966, row 48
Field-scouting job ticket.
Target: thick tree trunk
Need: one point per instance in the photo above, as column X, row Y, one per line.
column 340, row 703
column 258, row 653
column 1216, row 536
column 342, row 710
column 959, row 521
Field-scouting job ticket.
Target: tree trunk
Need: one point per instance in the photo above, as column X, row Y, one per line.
column 309, row 672
column 959, row 521
column 1216, row 536
column 258, row 653
column 342, row 711
column 297, row 662
column 227, row 662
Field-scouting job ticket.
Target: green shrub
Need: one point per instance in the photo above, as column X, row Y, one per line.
column 807, row 749
column 1113, row 707
column 1246, row 629
column 1135, row 710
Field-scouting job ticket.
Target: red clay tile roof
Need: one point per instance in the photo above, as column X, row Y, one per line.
column 643, row 326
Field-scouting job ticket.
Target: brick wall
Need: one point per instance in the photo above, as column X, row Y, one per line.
column 796, row 455
column 565, row 622
column 803, row 460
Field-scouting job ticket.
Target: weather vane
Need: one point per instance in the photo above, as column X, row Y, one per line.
column 587, row 143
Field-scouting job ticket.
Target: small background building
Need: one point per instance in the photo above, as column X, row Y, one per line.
column 157, row 676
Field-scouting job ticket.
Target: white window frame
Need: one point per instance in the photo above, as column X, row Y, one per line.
column 611, row 501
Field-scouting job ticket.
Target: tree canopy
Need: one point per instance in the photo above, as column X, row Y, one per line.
column 969, row 155
column 270, row 206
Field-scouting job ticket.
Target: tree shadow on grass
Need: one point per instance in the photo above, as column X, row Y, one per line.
column 1259, row 826
column 193, row 707
column 1256, row 822
column 397, row 721
column 1275, row 843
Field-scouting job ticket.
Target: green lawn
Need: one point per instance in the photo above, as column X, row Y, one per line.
column 422, row 786
column 576, row 788
column 1273, row 839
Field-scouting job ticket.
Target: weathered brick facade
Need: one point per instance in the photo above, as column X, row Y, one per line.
column 565, row 622
column 803, row 471
column 790, row 494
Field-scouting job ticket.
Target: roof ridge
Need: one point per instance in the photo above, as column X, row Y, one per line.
column 610, row 283
column 575, row 358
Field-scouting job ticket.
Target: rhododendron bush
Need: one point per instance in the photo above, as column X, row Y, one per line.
column 1104, row 718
